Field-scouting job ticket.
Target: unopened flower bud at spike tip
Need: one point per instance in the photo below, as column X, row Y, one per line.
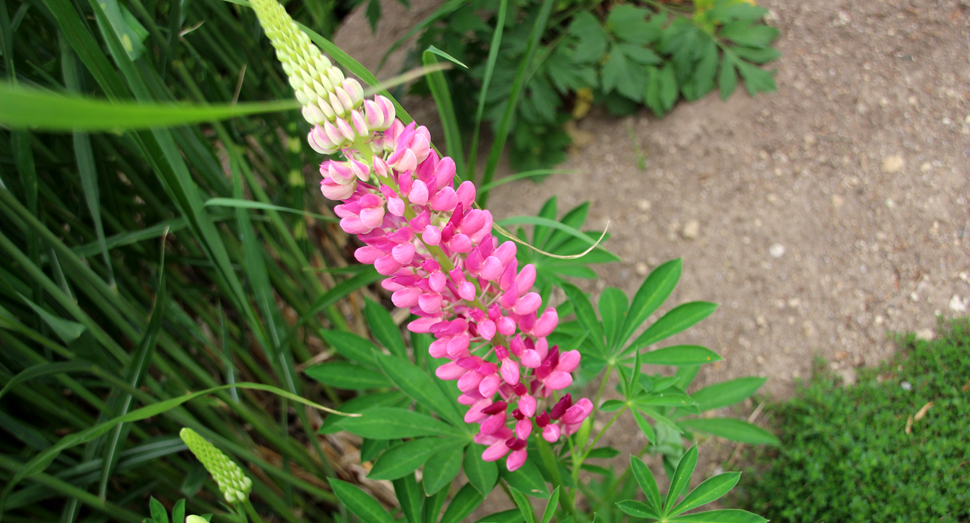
column 233, row 484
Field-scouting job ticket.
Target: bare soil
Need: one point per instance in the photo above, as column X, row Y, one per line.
column 822, row 217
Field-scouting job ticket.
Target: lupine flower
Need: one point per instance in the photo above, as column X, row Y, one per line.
column 233, row 484
column 437, row 251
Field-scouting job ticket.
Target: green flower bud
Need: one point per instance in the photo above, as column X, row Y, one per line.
column 194, row 519
column 233, row 484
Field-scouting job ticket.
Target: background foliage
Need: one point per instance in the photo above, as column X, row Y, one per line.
column 621, row 55
column 893, row 446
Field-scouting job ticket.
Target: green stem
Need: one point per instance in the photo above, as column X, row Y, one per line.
column 251, row 511
column 600, row 435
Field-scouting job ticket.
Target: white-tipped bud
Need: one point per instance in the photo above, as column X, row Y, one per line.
column 354, row 89
column 335, row 102
column 296, row 83
column 319, row 89
column 344, row 98
column 374, row 116
column 345, row 129
column 359, row 123
column 313, row 114
column 335, row 75
column 321, row 142
column 333, row 133
column 327, row 110
column 301, row 97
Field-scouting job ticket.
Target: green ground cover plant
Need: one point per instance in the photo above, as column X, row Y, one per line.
column 622, row 55
column 892, row 447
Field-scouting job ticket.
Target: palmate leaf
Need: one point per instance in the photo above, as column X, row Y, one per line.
column 681, row 478
column 708, row 491
column 591, row 38
column 673, row 322
column 727, row 393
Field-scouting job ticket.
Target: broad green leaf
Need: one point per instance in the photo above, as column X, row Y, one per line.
column 420, row 386
column 758, row 56
column 371, row 448
column 645, row 426
column 24, row 107
column 638, row 509
column 681, row 478
column 464, row 503
column 756, row 80
column 744, row 33
column 664, row 399
column 441, row 469
column 708, row 491
column 727, row 392
column 685, row 376
column 347, row 376
column 592, row 38
column 621, row 75
column 651, row 294
column 384, row 329
column 527, row 479
column 727, row 79
column 159, row 514
column 178, row 511
column 640, row 55
column 648, row 484
column 359, row 503
column 629, row 24
column 612, row 405
column 433, row 505
column 612, row 308
column 679, row 355
column 480, row 473
column 706, row 68
column 602, row 453
column 732, row 429
column 352, row 347
column 586, row 316
column 392, row 423
column 523, row 503
column 721, row 516
column 634, row 387
column 728, row 11
column 675, row 321
column 409, row 495
column 405, row 458
column 669, row 91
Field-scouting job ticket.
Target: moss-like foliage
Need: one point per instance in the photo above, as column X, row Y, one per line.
column 864, row 452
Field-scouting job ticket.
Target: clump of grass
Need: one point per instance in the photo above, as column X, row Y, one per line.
column 894, row 447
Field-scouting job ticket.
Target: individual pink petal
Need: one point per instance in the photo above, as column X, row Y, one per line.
column 486, row 329
column 437, row 281
column 492, row 268
column 419, row 193
column 431, row 235
column 444, row 173
column 494, row 423
column 430, row 303
column 475, row 414
column 558, row 380
column 527, row 304
column 334, row 191
column 444, row 200
column 466, row 290
column 496, row 451
column 387, row 265
column 510, row 372
column 489, row 385
column 506, row 326
column 516, row 460
column 450, row 371
column 460, row 244
column 466, row 193
column 578, row 412
column 523, row 428
column 403, row 253
column 506, row 252
column 527, row 406
column 423, row 325
column 372, row 217
column 439, row 347
column 406, row 298
column 368, row 254
column 531, row 359
column 469, row 381
column 551, row 433
column 458, row 345
column 526, row 278
column 568, row 361
column 354, row 225
column 546, row 323
column 473, row 221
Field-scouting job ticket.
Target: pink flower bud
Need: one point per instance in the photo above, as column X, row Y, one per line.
column 568, row 361
column 546, row 323
column 486, row 329
column 430, row 303
column 466, row 290
column 551, row 433
column 431, row 235
column 505, row 326
column 494, row 423
column 558, row 380
column 449, row 371
column 403, row 253
column 527, row 304
column 516, row 460
column 419, row 193
column 489, row 385
column 321, row 142
column 527, row 405
column 359, row 123
column 334, row 191
column 395, row 206
column 405, row 298
column 444, row 200
column 437, row 280
column 506, row 252
column 460, row 244
column 523, row 429
column 423, row 325
column 475, row 414
column 495, row 452
column 531, row 359
column 444, row 173
column 345, row 129
column 492, row 268
column 466, row 194
column 510, row 372
column 385, row 265
column 578, row 412
column 469, row 381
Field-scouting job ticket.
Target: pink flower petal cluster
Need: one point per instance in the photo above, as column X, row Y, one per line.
column 444, row 265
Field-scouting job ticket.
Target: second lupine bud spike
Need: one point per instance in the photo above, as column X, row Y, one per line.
column 233, row 484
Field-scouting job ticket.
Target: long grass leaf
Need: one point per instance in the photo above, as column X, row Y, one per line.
column 446, row 110
column 483, row 93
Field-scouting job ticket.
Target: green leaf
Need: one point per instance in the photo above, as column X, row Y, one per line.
column 129, row 31
column 506, row 516
column 384, row 329
column 405, row 458
column 360, row 504
column 629, row 24
column 66, row 330
column 420, row 386
column 681, row 478
column 622, row 76
column 675, row 321
column 727, row 79
column 746, row 34
column 612, row 307
column 612, row 405
column 159, row 514
column 24, row 107
column 249, row 204
column 639, row 54
column 45, row 369
column 664, row 399
column 756, row 80
column 527, row 479
column 706, row 68
column 464, row 503
column 651, row 294
column 592, row 38
column 551, row 506
column 481, row 474
column 638, row 509
column 679, row 355
column 648, row 484
column 347, row 376
column 362, row 403
column 409, row 495
column 645, row 426
column 729, row 11
column 732, row 429
column 758, row 56
column 352, row 347
column 446, row 108
column 721, row 516
column 586, row 316
column 727, row 392
column 524, row 507
column 559, row 226
column 442, row 468
column 708, row 491
column 392, row 423
column 602, row 453
column 178, row 511
column 668, row 87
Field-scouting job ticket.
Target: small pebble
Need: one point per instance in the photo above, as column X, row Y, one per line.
column 892, row 164
column 777, row 250
column 691, row 230
column 644, row 205
column 906, row 385
column 641, row 268
column 957, row 305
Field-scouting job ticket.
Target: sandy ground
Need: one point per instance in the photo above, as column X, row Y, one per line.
column 821, row 217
